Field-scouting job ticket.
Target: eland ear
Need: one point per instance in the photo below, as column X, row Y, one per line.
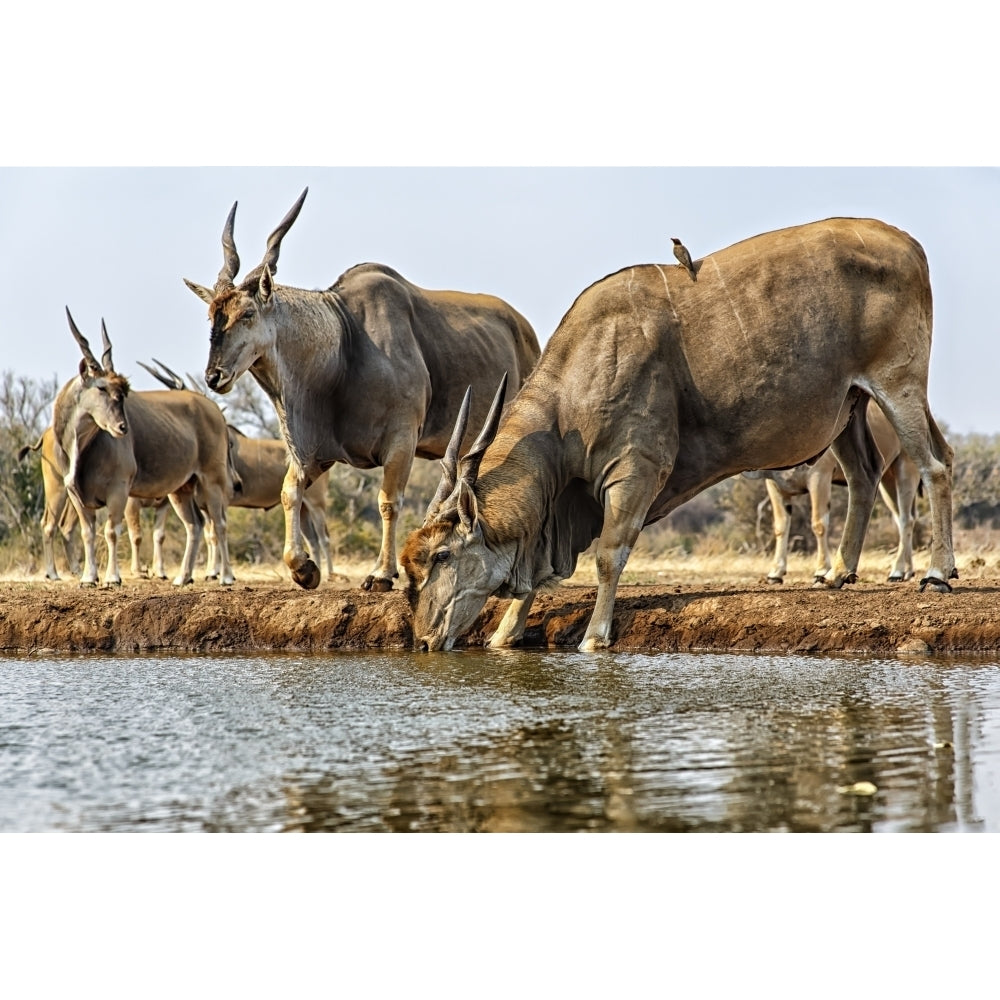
column 468, row 507
column 201, row 291
column 265, row 286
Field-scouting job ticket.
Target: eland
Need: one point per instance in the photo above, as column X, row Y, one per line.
column 115, row 443
column 654, row 387
column 369, row 372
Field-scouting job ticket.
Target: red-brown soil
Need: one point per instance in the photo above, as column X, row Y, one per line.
column 701, row 611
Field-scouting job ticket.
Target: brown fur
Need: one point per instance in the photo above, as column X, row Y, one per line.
column 416, row 554
column 369, row 372
column 654, row 387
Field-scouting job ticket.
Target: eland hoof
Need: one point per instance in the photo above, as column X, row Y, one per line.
column 941, row 586
column 377, row 584
column 307, row 575
column 774, row 579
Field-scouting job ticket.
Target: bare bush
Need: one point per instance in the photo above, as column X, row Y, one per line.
column 24, row 407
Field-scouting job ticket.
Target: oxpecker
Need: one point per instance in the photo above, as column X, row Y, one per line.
column 680, row 252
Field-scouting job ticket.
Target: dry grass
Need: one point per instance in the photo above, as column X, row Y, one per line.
column 977, row 554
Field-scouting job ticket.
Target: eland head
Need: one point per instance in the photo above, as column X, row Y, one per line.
column 240, row 314
column 102, row 390
column 450, row 566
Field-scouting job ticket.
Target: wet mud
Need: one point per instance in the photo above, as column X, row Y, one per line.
column 148, row 616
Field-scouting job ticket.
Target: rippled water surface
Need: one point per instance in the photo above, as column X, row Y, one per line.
column 511, row 741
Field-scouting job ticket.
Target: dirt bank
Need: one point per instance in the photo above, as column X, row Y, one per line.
column 710, row 613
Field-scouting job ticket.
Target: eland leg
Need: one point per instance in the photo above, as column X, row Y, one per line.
column 317, row 536
column 861, row 462
column 304, row 571
column 921, row 439
column 116, row 504
column 820, row 485
column 67, row 527
column 319, row 539
column 133, row 522
column 781, row 514
column 219, row 567
column 88, row 533
column 159, row 534
column 187, row 510
column 50, row 524
column 899, row 486
column 213, row 557
column 395, row 473
column 511, row 628
column 626, row 503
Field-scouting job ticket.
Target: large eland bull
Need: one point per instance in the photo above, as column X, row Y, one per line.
column 898, row 486
column 369, row 372
column 655, row 386
column 115, row 444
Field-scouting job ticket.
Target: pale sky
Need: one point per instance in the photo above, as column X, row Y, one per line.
column 116, row 243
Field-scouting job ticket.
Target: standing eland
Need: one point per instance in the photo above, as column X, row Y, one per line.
column 369, row 372
column 115, row 443
column 654, row 387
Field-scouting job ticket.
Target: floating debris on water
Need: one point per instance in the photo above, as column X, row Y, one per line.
column 858, row 788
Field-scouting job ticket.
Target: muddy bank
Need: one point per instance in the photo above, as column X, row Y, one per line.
column 148, row 616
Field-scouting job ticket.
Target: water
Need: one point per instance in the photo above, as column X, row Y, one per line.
column 480, row 740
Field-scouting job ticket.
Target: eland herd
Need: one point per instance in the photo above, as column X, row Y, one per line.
column 661, row 380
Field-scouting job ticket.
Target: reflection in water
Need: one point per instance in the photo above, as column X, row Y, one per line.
column 484, row 741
